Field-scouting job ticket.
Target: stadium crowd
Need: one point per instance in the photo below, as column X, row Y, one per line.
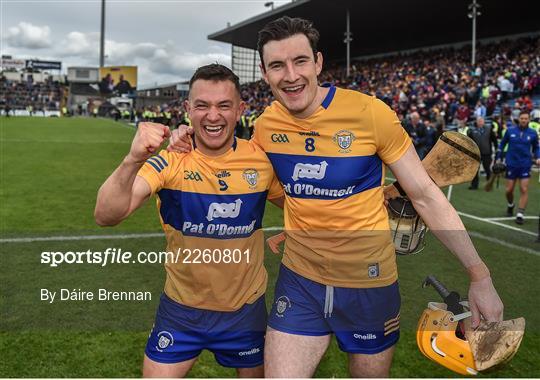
column 430, row 90
column 30, row 95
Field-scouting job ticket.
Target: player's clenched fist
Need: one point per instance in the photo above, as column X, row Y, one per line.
column 147, row 140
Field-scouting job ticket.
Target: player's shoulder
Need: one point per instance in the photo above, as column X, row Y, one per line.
column 359, row 101
column 165, row 159
column 249, row 150
column 353, row 94
column 531, row 131
column 271, row 111
column 512, row 129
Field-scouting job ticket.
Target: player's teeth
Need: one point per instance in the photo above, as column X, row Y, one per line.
column 290, row 89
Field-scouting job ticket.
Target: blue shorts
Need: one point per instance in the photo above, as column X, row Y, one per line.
column 364, row 321
column 235, row 338
column 518, row 172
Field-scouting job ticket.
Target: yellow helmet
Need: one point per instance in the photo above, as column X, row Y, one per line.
column 492, row 344
column 436, row 337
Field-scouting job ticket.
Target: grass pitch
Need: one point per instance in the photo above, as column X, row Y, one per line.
column 50, row 172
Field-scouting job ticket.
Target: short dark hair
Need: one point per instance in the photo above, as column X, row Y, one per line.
column 524, row 112
column 286, row 27
column 215, row 72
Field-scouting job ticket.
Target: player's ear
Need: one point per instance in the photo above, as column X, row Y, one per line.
column 187, row 106
column 319, row 62
column 263, row 72
column 241, row 109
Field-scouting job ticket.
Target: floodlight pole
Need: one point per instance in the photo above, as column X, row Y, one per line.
column 347, row 41
column 473, row 7
column 102, row 36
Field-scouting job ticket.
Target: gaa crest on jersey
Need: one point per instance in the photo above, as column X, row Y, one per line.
column 252, row 177
column 344, row 140
column 282, row 304
column 165, row 340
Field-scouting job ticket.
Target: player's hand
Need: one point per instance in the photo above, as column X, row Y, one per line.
column 538, row 162
column 274, row 242
column 484, row 302
column 390, row 192
column 148, row 140
column 180, row 140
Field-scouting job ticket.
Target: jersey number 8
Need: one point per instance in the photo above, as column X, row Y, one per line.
column 310, row 144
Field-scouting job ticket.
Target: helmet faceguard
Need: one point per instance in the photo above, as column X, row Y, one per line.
column 407, row 227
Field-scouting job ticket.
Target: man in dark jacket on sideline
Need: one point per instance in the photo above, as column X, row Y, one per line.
column 486, row 139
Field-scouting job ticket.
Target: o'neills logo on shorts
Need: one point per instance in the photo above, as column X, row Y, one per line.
column 365, row 336
column 250, row 352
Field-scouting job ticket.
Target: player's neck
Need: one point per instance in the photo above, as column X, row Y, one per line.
column 314, row 106
column 212, row 152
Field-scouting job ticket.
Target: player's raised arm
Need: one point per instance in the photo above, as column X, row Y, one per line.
column 123, row 192
column 446, row 225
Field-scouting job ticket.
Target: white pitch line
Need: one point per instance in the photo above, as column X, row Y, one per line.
column 496, row 223
column 273, row 228
column 511, row 218
column 449, row 193
column 503, row 243
column 83, row 237
column 99, row 237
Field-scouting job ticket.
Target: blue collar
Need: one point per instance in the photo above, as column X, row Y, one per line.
column 328, row 99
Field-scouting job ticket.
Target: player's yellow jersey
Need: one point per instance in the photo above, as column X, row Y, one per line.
column 211, row 208
column 331, row 166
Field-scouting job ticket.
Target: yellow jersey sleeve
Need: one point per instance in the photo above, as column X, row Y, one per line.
column 156, row 170
column 391, row 139
column 256, row 138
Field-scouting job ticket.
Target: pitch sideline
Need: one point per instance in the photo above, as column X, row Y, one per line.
column 269, row 229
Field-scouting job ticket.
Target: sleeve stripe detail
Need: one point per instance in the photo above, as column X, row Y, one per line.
column 154, row 165
column 157, row 162
column 163, row 161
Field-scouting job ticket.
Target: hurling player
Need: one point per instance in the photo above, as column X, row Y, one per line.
column 210, row 201
column 329, row 147
column 522, row 143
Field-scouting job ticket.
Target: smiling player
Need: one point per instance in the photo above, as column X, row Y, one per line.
column 211, row 203
column 338, row 273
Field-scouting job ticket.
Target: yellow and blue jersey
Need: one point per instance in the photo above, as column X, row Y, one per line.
column 213, row 205
column 331, row 166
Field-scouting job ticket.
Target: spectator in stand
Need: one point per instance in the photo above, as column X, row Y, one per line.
column 430, row 138
column 506, row 87
column 480, row 110
column 417, row 131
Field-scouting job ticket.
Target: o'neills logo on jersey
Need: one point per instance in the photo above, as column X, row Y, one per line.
column 310, row 171
column 365, row 336
column 250, row 352
column 224, row 210
column 310, row 190
column 310, row 133
column 223, row 174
